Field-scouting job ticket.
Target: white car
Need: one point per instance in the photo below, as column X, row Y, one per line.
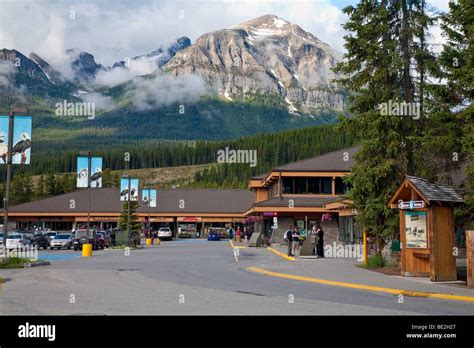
column 165, row 233
column 63, row 240
column 17, row 240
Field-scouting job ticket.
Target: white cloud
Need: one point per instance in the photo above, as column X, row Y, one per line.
column 6, row 69
column 118, row 75
column 165, row 89
column 101, row 102
column 113, row 30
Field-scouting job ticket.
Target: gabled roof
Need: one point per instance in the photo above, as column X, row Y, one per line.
column 334, row 161
column 434, row 192
column 259, row 176
column 107, row 200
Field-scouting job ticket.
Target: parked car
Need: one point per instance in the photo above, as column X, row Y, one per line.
column 105, row 235
column 214, row 234
column 16, row 240
column 29, row 234
column 62, row 240
column 81, row 237
column 41, row 241
column 99, row 240
column 185, row 234
column 165, row 233
column 50, row 234
column 223, row 233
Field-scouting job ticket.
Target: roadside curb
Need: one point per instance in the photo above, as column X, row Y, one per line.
column 362, row 286
column 36, row 264
column 279, row 253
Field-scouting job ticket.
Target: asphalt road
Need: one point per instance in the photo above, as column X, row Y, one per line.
column 188, row 277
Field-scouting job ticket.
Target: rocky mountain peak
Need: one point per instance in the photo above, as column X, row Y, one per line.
column 266, row 55
column 268, row 22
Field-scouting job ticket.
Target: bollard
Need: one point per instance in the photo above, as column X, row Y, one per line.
column 158, row 241
column 86, row 250
column 148, row 241
column 470, row 258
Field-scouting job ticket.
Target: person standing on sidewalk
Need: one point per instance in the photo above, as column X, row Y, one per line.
column 296, row 240
column 320, row 243
column 289, row 238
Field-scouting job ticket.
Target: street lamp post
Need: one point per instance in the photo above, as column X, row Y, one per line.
column 89, row 168
column 13, row 111
column 128, row 204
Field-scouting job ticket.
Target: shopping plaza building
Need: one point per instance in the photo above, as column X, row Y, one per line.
column 303, row 194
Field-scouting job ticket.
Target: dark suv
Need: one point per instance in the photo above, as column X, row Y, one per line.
column 81, row 237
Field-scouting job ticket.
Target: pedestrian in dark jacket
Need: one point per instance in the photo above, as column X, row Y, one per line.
column 320, row 243
column 289, row 238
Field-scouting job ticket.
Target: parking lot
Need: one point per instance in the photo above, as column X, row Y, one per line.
column 188, row 276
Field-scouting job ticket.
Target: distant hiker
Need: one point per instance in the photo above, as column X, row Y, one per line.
column 320, row 242
column 289, row 238
column 315, row 236
column 296, row 240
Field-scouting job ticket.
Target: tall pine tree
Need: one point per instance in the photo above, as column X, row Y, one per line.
column 381, row 64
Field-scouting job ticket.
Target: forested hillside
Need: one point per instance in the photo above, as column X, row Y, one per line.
column 272, row 149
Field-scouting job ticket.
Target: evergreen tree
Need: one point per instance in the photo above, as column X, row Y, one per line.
column 39, row 192
column 50, row 185
column 17, row 194
column 380, row 68
column 455, row 93
column 135, row 223
column 28, row 189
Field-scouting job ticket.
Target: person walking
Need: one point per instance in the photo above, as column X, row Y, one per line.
column 289, row 238
column 315, row 236
column 296, row 240
column 238, row 234
column 320, row 243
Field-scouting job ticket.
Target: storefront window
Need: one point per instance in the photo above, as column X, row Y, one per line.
column 349, row 230
column 341, row 187
column 307, row 185
column 313, row 185
column 326, row 186
column 287, row 185
column 301, row 185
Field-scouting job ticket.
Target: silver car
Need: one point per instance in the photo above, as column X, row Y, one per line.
column 165, row 233
column 62, row 240
column 16, row 240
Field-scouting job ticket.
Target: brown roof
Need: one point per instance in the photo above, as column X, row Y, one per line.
column 259, row 176
column 434, row 192
column 329, row 162
column 107, row 200
column 298, row 201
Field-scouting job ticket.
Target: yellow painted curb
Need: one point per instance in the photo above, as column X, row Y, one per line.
column 289, row 258
column 362, row 286
column 238, row 247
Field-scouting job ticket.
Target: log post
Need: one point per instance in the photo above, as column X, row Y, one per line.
column 470, row 258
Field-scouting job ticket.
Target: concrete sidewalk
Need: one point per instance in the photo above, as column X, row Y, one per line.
column 345, row 270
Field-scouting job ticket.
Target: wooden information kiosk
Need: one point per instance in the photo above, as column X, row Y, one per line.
column 426, row 228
